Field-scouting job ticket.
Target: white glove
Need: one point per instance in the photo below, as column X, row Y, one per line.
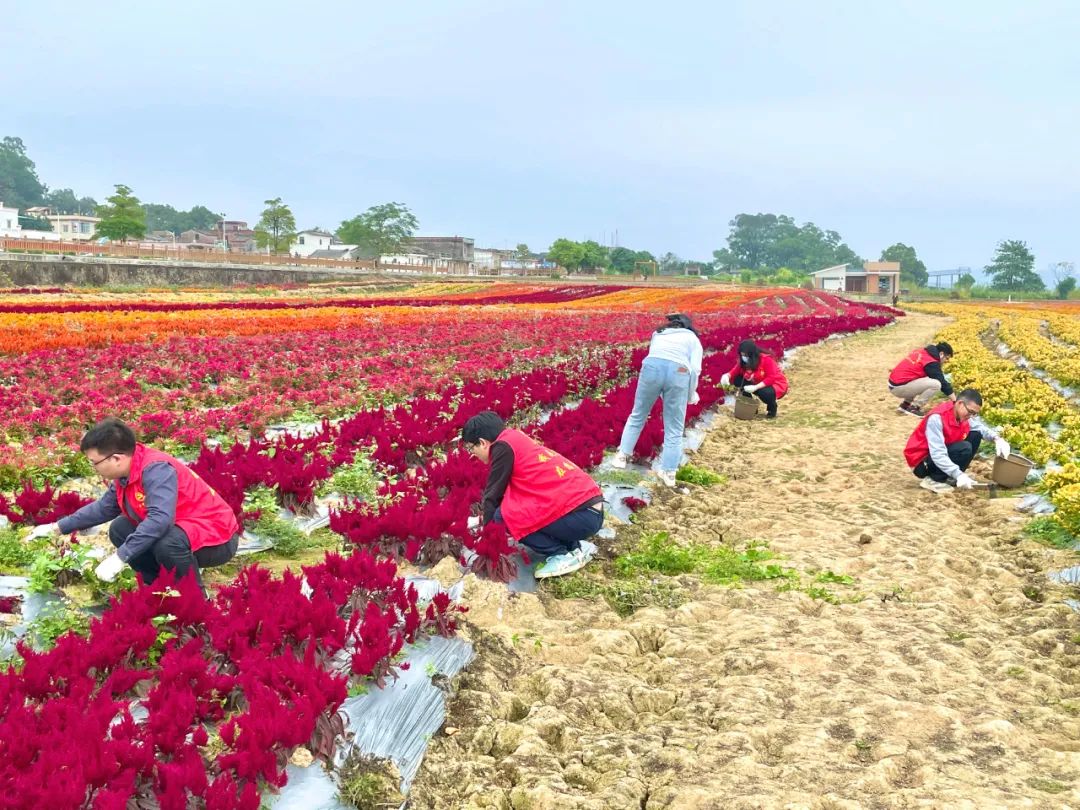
column 44, row 530
column 964, row 481
column 752, row 388
column 109, row 568
column 1001, row 447
column 473, row 522
column 694, row 398
column 725, row 380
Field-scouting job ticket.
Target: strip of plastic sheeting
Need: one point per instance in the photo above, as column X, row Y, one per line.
column 1066, row 576
column 310, row 788
column 615, row 498
column 251, row 543
column 1035, row 504
column 397, row 721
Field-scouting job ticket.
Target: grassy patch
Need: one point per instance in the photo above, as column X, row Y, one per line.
column 624, row 595
column 624, row 477
column 1048, row 531
column 287, row 539
column 689, row 474
column 721, row 565
column 15, row 553
column 1047, row 785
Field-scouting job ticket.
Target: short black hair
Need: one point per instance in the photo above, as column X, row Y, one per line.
column 109, row 436
column 486, row 425
column 945, row 348
column 970, row 395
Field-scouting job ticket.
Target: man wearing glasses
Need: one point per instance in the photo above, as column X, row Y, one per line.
column 943, row 445
column 163, row 515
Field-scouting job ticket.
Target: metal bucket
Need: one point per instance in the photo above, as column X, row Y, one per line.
column 746, row 407
column 1012, row 471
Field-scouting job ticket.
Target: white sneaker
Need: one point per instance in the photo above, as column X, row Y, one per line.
column 667, row 478
column 561, row 564
column 940, row 487
column 618, row 461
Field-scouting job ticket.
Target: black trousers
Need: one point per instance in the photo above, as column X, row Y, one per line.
column 766, row 394
column 961, row 454
column 564, row 534
column 173, row 552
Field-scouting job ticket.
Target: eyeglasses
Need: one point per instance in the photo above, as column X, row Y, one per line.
column 94, row 464
column 972, row 411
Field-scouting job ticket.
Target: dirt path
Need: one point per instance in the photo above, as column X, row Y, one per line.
column 954, row 683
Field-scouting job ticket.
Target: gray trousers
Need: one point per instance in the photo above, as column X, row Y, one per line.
column 918, row 392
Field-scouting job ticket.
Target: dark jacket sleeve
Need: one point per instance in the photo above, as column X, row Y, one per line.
column 100, row 511
column 502, row 465
column 934, row 372
column 159, row 487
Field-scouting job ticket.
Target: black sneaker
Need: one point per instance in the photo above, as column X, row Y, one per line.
column 770, row 415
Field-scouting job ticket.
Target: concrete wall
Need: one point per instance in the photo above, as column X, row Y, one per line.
column 24, row 273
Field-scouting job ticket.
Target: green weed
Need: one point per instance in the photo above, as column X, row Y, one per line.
column 690, row 474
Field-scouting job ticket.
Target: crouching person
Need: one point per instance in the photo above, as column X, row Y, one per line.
column 944, row 444
column 163, row 515
column 546, row 502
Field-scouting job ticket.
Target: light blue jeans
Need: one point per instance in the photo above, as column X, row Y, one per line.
column 660, row 379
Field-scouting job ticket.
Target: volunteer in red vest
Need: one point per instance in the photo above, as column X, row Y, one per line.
column 943, row 445
column 757, row 373
column 546, row 501
column 163, row 515
column 918, row 377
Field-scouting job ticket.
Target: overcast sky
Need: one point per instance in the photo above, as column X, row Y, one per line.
column 945, row 125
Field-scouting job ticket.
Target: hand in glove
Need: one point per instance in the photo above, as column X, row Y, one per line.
column 109, row 568
column 473, row 522
column 752, row 388
column 694, row 398
column 1001, row 447
column 725, row 380
column 964, row 481
column 44, row 530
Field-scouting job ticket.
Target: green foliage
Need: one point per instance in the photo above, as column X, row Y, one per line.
column 966, row 281
column 53, row 622
column 57, row 563
column 911, row 267
column 1047, row 529
column 716, row 564
column 358, row 479
column 623, row 595
column 567, row 254
column 1065, row 286
column 628, row 477
column 34, row 224
column 161, row 217
column 1013, row 267
column 623, row 260
column 771, row 241
column 523, row 254
column 122, row 216
column 277, row 226
column 19, row 183
column 288, row 540
column 697, row 475
column 15, row 553
column 64, row 201
column 383, row 228
column 368, row 783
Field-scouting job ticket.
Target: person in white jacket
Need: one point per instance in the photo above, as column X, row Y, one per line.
column 670, row 372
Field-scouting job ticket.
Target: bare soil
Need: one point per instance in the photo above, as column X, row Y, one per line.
column 952, row 682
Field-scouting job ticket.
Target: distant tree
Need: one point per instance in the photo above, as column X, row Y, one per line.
column 624, row 260
column 594, row 255
column 567, row 254
column 771, row 241
column 1013, row 268
column 19, row 183
column 724, row 261
column 670, row 264
column 911, row 268
column 383, row 228
column 965, row 282
column 122, row 216
column 523, row 254
column 1064, row 278
column 64, row 201
column 161, row 217
column 276, row 228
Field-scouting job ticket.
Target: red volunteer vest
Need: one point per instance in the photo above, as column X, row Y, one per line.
column 543, row 487
column 205, row 518
column 918, row 449
column 768, row 372
column 912, row 367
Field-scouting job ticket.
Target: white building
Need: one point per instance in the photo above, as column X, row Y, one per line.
column 9, row 221
column 307, row 242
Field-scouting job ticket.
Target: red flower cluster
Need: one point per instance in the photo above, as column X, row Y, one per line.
column 34, row 507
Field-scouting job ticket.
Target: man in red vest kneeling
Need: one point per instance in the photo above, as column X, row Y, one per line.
column 943, row 445
column 547, row 502
column 163, row 515
column 918, row 377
